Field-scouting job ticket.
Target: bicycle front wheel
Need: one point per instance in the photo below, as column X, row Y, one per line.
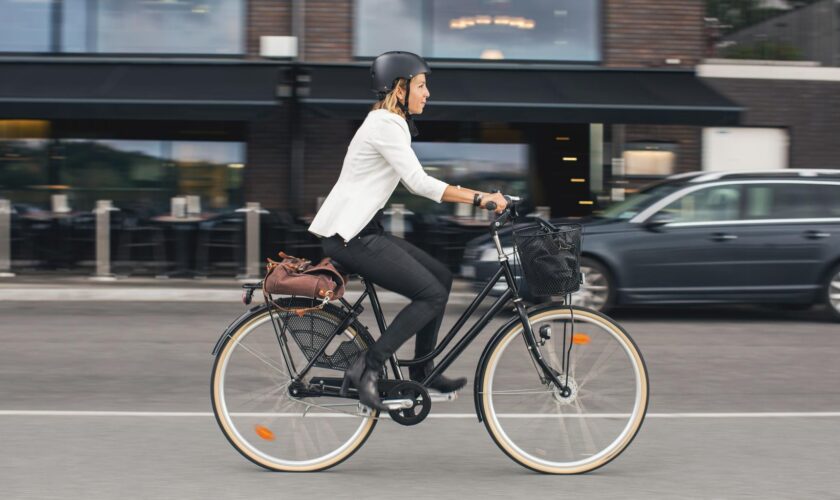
column 256, row 409
column 546, row 429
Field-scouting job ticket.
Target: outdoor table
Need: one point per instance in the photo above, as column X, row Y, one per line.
column 184, row 229
column 56, row 253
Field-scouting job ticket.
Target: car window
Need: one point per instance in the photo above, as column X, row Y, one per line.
column 637, row 202
column 792, row 201
column 718, row 203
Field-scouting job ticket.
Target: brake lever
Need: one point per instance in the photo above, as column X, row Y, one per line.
column 509, row 212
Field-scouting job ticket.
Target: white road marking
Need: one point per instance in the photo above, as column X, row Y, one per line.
column 167, row 414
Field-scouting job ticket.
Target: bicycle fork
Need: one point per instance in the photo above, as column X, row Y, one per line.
column 534, row 351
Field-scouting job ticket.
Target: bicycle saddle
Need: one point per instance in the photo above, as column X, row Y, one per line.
column 343, row 270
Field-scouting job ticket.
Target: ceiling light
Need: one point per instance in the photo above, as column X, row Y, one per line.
column 492, row 54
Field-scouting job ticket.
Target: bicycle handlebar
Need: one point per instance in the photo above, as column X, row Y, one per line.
column 510, row 212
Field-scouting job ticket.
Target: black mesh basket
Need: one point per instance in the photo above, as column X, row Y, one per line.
column 550, row 259
column 312, row 330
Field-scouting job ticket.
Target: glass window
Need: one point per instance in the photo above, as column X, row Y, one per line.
column 649, row 158
column 154, row 26
column 212, row 170
column 383, row 25
column 629, row 208
column 555, row 30
column 792, row 201
column 719, row 203
column 25, row 26
column 484, row 167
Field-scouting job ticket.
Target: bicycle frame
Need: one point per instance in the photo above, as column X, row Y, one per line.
column 511, row 292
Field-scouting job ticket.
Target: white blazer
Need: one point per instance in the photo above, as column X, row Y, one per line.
column 379, row 157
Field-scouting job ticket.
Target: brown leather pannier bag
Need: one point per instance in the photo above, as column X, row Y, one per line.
column 296, row 276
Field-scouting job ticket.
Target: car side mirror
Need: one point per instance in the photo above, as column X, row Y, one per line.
column 658, row 220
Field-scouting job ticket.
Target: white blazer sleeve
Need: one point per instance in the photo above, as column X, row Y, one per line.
column 394, row 144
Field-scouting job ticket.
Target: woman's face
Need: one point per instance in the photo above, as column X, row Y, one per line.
column 418, row 95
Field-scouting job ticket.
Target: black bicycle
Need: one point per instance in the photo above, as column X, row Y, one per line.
column 560, row 389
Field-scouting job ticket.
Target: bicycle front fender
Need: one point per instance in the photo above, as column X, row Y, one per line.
column 247, row 315
column 485, row 355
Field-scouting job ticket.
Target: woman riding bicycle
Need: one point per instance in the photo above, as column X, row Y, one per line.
column 349, row 221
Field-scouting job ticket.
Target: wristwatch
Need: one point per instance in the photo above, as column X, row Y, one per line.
column 477, row 199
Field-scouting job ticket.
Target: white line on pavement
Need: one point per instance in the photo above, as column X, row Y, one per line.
column 63, row 413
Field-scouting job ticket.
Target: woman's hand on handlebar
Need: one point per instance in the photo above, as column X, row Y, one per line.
column 498, row 199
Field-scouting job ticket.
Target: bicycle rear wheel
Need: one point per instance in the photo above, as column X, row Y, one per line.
column 258, row 414
column 537, row 425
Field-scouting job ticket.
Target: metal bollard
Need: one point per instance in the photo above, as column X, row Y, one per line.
column 252, row 240
column 397, row 213
column 103, row 240
column 6, row 239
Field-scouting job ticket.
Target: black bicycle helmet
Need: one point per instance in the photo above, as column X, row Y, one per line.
column 389, row 67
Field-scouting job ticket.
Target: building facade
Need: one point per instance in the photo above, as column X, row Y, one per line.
column 564, row 102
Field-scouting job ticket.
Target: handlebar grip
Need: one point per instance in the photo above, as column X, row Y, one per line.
column 490, row 205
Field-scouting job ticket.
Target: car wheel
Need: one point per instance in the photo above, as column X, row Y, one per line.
column 597, row 291
column 831, row 293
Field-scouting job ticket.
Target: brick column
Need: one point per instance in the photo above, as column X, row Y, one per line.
column 267, row 169
column 326, row 144
column 646, row 32
column 267, row 18
column 328, row 31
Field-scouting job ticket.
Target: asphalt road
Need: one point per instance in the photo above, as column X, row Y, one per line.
column 111, row 400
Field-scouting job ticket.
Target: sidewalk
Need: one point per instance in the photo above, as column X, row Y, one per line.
column 62, row 286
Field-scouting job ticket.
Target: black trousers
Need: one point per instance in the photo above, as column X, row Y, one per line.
column 400, row 267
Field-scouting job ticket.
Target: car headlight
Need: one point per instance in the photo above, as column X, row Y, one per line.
column 492, row 254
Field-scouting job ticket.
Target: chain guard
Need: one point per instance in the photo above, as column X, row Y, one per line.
column 422, row 403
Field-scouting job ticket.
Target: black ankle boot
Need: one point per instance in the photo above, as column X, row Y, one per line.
column 439, row 383
column 364, row 379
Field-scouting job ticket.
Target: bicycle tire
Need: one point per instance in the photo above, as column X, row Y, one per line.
column 260, row 317
column 501, row 436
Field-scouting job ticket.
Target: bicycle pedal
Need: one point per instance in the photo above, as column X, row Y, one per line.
column 442, row 397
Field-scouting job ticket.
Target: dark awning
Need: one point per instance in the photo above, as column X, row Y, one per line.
column 536, row 94
column 73, row 88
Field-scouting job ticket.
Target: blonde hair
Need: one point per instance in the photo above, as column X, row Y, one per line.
column 390, row 101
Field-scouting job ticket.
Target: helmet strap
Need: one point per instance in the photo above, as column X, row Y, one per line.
column 412, row 128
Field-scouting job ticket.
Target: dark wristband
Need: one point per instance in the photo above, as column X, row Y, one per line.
column 477, row 199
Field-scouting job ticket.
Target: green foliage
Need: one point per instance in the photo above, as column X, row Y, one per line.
column 772, row 50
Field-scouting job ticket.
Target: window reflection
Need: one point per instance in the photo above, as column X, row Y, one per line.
column 562, row 30
column 125, row 26
column 138, row 174
column 484, row 167
column 25, row 26
column 212, row 170
column 23, row 170
column 720, row 203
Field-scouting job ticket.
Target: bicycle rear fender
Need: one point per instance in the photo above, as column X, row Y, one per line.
column 479, row 370
column 236, row 324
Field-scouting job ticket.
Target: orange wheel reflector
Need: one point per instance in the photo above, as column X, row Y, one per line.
column 264, row 432
column 580, row 338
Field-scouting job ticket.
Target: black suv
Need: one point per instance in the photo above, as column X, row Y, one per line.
column 708, row 237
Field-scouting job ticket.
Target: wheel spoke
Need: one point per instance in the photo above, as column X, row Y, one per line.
column 265, row 360
column 516, row 392
column 259, row 415
column 586, row 432
column 594, row 419
column 600, row 364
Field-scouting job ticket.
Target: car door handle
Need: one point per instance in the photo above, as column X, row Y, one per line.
column 724, row 237
column 816, row 235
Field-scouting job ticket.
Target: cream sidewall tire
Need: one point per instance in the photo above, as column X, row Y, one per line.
column 635, row 423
